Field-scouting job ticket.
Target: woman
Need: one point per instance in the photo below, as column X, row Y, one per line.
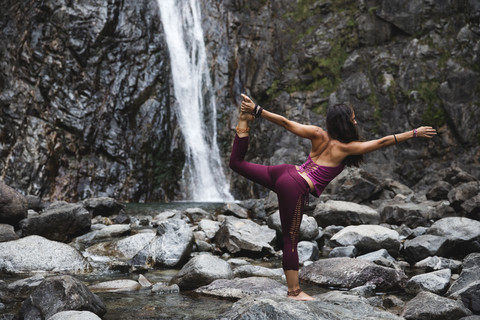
column 331, row 151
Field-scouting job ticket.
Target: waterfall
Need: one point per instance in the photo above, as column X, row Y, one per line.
column 195, row 108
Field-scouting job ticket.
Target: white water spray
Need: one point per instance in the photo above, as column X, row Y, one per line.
column 196, row 111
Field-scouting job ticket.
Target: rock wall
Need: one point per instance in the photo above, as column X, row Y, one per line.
column 85, row 88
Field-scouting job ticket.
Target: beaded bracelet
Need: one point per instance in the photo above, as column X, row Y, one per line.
column 414, row 133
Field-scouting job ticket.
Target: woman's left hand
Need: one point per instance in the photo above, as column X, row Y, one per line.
column 426, row 132
column 247, row 105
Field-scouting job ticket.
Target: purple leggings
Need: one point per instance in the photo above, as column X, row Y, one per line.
column 291, row 189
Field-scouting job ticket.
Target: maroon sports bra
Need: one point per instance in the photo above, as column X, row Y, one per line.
column 320, row 175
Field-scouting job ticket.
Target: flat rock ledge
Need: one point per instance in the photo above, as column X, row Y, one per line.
column 334, row 305
column 242, row 288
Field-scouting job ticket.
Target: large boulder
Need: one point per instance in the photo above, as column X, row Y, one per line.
column 74, row 315
column 60, row 222
column 350, row 273
column 330, row 306
column 242, row 236
column 244, row 287
column 368, row 238
column 436, row 282
column 170, row 247
column 7, row 233
column 343, row 213
column 425, row 246
column 412, row 214
column 202, row 270
column 427, row 305
column 308, row 226
column 35, row 253
column 467, row 286
column 13, row 206
column 103, row 206
column 463, row 234
column 60, row 293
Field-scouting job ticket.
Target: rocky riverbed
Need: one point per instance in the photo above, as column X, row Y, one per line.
column 368, row 249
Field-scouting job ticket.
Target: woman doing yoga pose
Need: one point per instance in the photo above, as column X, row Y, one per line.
column 331, row 151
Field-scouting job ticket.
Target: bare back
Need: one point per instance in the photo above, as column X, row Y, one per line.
column 325, row 150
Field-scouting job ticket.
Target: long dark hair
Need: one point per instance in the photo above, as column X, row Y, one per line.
column 341, row 127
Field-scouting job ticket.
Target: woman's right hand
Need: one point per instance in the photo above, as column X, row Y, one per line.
column 426, row 132
column 247, row 105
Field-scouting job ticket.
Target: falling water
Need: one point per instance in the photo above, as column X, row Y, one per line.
column 195, row 109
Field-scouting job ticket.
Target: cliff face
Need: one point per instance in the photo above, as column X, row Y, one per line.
column 86, row 98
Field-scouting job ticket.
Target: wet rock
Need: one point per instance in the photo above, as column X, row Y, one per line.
column 103, row 206
column 122, row 218
column 19, row 290
column 210, row 227
column 354, row 185
column 424, row 246
column 202, row 270
column 241, row 288
column 351, row 273
column 74, row 315
column 436, row 282
column 235, row 210
column 427, row 305
column 307, row 251
column 412, row 214
column 331, row 306
column 245, row 236
column 344, row 213
column 162, row 288
column 165, row 215
column 170, row 247
column 248, row 271
column 60, row 293
column 13, row 206
column 59, row 222
column 35, row 253
column 463, row 234
column 348, row 252
column 308, row 227
column 368, row 238
column 7, row 233
column 438, row 263
column 144, row 281
column 122, row 285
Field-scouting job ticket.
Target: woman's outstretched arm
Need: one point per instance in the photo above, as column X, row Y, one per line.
column 301, row 130
column 362, row 147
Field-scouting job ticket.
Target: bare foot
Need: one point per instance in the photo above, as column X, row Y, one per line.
column 302, row 296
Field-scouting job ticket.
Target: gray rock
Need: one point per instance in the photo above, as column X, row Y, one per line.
column 234, row 209
column 125, row 248
column 348, row 252
column 307, row 251
column 102, row 206
column 331, row 306
column 245, row 287
column 19, row 290
column 472, row 207
column 368, row 238
column 344, row 213
column 35, row 253
column 60, row 293
column 202, row 270
column 470, row 273
column 242, row 235
column 162, row 288
column 470, row 296
column 354, row 185
column 465, row 191
column 248, row 271
column 439, row 191
column 436, row 282
column 75, row 315
column 375, row 255
column 412, row 214
column 351, row 273
column 470, row 318
column 438, row 263
column 13, row 206
column 463, row 234
column 210, row 227
column 59, row 222
column 7, row 233
column 424, row 246
column 170, row 247
column 197, row 214
column 427, row 305
column 120, row 285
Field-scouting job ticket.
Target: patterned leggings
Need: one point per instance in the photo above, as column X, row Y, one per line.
column 291, row 189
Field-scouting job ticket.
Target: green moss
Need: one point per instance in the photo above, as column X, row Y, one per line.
column 434, row 114
column 377, row 113
column 372, row 11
